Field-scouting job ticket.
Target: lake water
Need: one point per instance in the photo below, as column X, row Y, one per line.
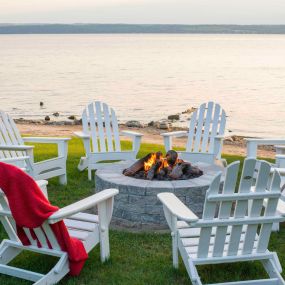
column 147, row 77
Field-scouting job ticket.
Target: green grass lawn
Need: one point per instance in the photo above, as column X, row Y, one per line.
column 136, row 258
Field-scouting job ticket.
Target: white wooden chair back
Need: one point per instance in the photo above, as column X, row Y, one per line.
column 9, row 135
column 208, row 121
column 44, row 233
column 234, row 221
column 100, row 121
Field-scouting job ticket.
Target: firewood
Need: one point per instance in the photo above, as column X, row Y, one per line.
column 171, row 157
column 137, row 166
column 152, row 171
column 177, row 171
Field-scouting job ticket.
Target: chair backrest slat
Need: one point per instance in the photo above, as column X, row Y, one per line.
column 215, row 126
column 270, row 210
column 199, row 128
column 100, row 121
column 225, row 208
column 41, row 237
column 205, row 139
column 8, row 225
column 191, row 134
column 208, row 214
column 29, row 236
column 208, row 121
column 90, row 119
column 108, row 127
column 116, row 132
column 50, row 235
column 99, row 116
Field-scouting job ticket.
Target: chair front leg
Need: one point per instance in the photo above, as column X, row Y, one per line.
column 218, row 148
column 136, row 144
column 167, row 142
column 251, row 149
column 62, row 148
column 105, row 210
column 172, row 223
column 30, row 162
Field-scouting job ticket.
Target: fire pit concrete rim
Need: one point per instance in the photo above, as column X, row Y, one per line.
column 113, row 174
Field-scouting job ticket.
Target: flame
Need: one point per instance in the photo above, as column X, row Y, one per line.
column 150, row 162
column 153, row 159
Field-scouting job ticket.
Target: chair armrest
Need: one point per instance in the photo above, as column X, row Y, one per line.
column 219, row 137
column 16, row 147
column 175, row 134
column 131, row 134
column 253, row 143
column 82, row 205
column 82, row 135
column 136, row 137
column 45, row 139
column 265, row 141
column 167, row 138
column 176, row 207
column 14, row 159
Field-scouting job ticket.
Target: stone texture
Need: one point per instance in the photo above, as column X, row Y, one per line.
column 137, row 206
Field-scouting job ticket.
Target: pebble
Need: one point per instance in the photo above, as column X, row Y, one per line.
column 47, row 118
column 173, row 117
column 56, row 114
column 72, row 117
column 134, row 124
column 163, row 125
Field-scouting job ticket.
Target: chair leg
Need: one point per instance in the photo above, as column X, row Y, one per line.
column 175, row 249
column 89, row 173
column 56, row 273
column 272, row 270
column 275, row 227
column 83, row 163
column 8, row 253
column 63, row 179
column 193, row 273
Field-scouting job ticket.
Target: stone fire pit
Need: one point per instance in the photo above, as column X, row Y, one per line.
column 137, row 206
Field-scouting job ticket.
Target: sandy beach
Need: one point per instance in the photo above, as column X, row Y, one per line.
column 233, row 145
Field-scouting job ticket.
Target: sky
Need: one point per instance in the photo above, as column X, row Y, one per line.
column 144, row 11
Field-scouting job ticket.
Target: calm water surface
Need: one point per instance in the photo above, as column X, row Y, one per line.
column 147, row 77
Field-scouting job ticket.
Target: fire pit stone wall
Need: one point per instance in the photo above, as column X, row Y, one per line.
column 137, row 206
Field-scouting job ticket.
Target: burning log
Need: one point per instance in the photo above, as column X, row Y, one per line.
column 137, row 166
column 171, row 157
column 177, row 170
column 153, row 170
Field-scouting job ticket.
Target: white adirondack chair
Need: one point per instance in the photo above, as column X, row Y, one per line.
column 238, row 231
column 13, row 150
column 205, row 135
column 279, row 164
column 101, row 138
column 90, row 229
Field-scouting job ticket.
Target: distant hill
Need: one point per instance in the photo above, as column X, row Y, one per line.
column 144, row 29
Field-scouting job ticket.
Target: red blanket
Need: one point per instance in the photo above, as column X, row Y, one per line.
column 30, row 209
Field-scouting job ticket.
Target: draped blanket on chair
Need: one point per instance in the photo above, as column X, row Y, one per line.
column 30, row 209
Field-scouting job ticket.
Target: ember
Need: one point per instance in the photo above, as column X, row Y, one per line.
column 156, row 166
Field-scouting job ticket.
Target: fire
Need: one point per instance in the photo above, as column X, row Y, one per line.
column 156, row 158
column 150, row 162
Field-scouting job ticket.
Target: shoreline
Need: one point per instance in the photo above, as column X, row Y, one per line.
column 233, row 145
